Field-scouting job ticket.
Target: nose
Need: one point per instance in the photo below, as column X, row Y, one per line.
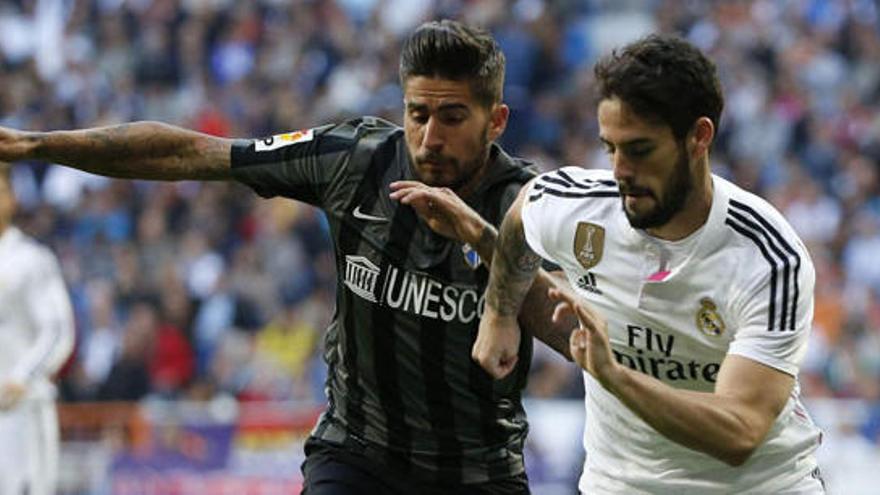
column 623, row 170
column 433, row 137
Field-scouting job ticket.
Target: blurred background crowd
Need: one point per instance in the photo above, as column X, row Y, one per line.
column 188, row 290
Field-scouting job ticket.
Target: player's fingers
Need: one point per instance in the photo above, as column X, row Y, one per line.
column 400, row 194
column 481, row 355
column 494, row 364
column 419, row 198
column 557, row 295
column 577, row 343
column 587, row 319
column 578, row 339
column 565, row 298
column 405, row 184
column 505, row 366
column 561, row 311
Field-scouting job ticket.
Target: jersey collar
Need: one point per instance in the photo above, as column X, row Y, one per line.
column 708, row 236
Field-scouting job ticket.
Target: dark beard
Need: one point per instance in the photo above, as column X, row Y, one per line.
column 676, row 192
column 468, row 170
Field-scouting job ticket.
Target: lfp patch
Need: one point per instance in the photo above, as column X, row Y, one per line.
column 282, row 140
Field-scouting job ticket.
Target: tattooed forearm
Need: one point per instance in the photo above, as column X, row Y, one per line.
column 513, row 269
column 142, row 150
column 485, row 247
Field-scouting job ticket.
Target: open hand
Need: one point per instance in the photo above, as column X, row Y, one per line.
column 442, row 209
column 589, row 344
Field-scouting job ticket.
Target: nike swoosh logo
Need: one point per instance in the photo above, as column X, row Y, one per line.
column 363, row 216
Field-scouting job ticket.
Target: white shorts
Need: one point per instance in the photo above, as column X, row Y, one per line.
column 29, row 449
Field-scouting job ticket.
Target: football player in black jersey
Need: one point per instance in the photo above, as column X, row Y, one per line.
column 413, row 213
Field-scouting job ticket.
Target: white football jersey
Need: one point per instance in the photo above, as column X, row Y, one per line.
column 741, row 284
column 36, row 320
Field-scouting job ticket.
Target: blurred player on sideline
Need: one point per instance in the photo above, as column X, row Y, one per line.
column 412, row 213
column 36, row 338
column 695, row 297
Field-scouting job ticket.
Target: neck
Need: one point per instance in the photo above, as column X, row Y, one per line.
column 694, row 213
column 468, row 186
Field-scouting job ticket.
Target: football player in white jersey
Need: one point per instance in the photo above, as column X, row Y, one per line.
column 36, row 338
column 695, row 297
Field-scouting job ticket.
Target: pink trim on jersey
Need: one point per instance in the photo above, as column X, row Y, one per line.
column 659, row 276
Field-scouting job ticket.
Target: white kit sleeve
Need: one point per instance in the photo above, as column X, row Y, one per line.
column 774, row 314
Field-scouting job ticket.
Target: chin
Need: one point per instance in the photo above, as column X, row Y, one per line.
column 641, row 220
column 436, row 180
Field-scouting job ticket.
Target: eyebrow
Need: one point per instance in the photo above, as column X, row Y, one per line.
column 441, row 108
column 631, row 142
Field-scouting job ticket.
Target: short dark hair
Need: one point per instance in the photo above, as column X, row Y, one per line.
column 451, row 50
column 663, row 77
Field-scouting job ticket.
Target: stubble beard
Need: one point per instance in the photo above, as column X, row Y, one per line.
column 677, row 189
column 466, row 171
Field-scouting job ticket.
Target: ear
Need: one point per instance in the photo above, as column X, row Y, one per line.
column 498, row 120
column 701, row 136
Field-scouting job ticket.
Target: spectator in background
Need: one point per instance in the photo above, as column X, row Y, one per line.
column 36, row 338
column 129, row 378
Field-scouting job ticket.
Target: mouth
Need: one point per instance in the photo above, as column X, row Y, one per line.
column 434, row 162
column 635, row 193
column 635, row 196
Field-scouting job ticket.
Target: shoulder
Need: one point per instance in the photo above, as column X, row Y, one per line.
column 32, row 256
column 349, row 132
column 756, row 225
column 576, row 183
column 772, row 263
column 575, row 188
column 369, row 126
column 558, row 200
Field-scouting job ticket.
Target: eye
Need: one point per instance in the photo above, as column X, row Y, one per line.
column 452, row 118
column 639, row 151
column 608, row 148
column 419, row 117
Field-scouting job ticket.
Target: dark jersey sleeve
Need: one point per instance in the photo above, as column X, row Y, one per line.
column 304, row 165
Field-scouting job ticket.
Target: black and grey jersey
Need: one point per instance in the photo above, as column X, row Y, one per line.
column 401, row 381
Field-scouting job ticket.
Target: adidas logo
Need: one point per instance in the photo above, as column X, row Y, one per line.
column 588, row 283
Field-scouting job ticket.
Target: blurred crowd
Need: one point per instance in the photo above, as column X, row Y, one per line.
column 194, row 290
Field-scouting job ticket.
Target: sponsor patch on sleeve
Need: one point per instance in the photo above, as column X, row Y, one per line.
column 282, row 140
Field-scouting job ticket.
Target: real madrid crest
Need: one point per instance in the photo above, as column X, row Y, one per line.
column 708, row 319
column 589, row 242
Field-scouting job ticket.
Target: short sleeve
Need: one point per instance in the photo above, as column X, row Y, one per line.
column 301, row 165
column 775, row 311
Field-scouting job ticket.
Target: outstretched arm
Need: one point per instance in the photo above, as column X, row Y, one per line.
column 449, row 215
column 140, row 150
